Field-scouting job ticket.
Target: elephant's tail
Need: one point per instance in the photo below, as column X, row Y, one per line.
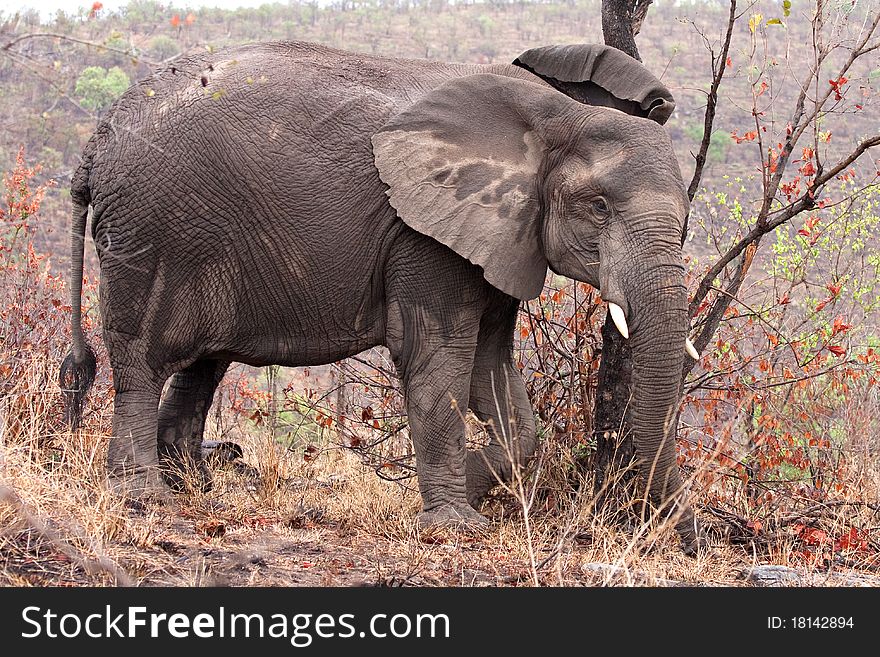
column 78, row 369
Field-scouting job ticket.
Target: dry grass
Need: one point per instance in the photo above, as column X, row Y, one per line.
column 275, row 518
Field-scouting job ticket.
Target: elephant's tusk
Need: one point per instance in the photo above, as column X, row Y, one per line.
column 619, row 319
column 691, row 349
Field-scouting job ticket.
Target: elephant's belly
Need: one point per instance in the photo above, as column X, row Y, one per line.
column 299, row 328
column 288, row 355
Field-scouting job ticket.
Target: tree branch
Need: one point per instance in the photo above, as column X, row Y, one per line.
column 639, row 13
column 64, row 37
column 799, row 123
column 718, row 67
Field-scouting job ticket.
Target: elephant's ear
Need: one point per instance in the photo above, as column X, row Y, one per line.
column 461, row 165
column 601, row 75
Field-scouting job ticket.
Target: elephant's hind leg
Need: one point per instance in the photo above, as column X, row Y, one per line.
column 132, row 460
column 181, row 422
column 498, row 397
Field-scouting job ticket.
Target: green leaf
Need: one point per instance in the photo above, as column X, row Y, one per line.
column 775, row 21
column 873, row 75
column 786, row 8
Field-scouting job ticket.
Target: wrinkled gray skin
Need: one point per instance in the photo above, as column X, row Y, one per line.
column 293, row 204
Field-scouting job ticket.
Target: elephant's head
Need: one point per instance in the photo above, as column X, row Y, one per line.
column 516, row 176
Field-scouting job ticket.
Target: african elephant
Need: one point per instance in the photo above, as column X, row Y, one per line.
column 287, row 203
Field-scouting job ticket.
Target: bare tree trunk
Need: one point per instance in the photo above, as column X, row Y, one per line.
column 611, row 420
column 621, row 21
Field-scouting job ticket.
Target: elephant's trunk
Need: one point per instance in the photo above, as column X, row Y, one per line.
column 657, row 299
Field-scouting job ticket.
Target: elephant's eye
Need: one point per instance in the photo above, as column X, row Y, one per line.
column 600, row 207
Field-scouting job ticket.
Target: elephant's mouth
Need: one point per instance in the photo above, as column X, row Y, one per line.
column 619, row 315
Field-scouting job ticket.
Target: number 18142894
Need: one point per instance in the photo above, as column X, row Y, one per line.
column 810, row 623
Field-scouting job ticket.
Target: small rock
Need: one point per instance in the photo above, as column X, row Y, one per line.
column 773, row 576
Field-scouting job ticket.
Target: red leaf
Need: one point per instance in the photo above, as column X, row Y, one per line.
column 837, row 85
column 812, row 536
column 851, row 541
column 175, row 20
column 310, row 453
column 749, row 136
column 840, row 325
column 837, row 350
column 729, row 62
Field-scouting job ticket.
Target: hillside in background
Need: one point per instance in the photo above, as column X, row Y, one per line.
column 52, row 93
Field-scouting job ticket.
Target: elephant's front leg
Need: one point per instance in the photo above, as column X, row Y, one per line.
column 499, row 398
column 436, row 401
column 435, row 359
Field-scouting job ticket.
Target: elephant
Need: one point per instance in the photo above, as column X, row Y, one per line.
column 289, row 203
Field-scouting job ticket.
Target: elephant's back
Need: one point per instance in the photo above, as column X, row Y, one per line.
column 268, row 77
column 266, row 135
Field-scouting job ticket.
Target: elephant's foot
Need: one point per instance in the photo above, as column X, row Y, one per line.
column 456, row 516
column 187, row 476
column 693, row 540
column 477, row 492
column 145, row 485
column 182, row 470
column 480, row 478
column 487, row 468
